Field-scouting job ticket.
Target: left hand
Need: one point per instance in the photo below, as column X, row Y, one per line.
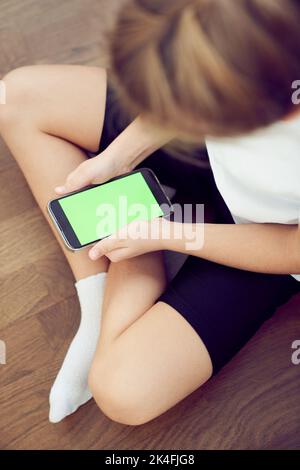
column 137, row 238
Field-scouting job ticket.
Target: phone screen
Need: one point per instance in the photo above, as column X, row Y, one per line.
column 98, row 212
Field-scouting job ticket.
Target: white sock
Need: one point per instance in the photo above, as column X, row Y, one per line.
column 70, row 389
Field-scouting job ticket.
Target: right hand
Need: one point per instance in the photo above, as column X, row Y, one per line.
column 92, row 171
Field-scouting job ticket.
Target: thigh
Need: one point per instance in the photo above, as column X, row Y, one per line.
column 150, row 367
column 224, row 305
column 66, row 101
column 205, row 316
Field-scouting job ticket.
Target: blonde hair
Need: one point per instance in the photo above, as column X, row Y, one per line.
column 207, row 67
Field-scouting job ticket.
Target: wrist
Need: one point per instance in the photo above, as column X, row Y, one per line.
column 134, row 144
column 117, row 161
column 170, row 238
column 182, row 237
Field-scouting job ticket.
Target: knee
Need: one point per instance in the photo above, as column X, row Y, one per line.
column 118, row 394
column 18, row 91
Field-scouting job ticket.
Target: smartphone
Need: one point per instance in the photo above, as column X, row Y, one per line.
column 89, row 215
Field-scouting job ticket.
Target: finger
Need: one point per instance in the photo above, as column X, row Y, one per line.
column 120, row 254
column 77, row 179
column 104, row 247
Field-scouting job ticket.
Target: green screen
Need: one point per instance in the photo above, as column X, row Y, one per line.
column 101, row 211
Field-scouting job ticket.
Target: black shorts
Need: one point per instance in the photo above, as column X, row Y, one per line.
column 224, row 305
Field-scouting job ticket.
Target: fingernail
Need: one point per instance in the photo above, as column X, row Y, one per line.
column 60, row 189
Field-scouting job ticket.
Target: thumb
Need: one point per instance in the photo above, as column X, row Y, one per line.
column 82, row 176
column 103, row 247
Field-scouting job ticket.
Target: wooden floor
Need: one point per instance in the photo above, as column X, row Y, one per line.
column 253, row 403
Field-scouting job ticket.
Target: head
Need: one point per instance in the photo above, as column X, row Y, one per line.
column 208, row 67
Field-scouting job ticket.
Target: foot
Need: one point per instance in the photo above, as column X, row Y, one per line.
column 70, row 389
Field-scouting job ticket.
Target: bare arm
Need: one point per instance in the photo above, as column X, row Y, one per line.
column 130, row 148
column 267, row 248
column 136, row 143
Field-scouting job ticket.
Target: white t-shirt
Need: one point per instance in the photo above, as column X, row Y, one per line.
column 259, row 175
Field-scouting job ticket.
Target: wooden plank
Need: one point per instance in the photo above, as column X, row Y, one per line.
column 252, row 403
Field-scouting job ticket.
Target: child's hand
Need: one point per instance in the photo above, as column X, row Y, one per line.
column 130, row 148
column 137, row 238
column 95, row 170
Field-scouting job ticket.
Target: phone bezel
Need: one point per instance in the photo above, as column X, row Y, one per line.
column 64, row 227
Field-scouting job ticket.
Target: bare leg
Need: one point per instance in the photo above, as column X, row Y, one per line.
column 51, row 113
column 148, row 357
column 134, row 284
column 143, row 344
